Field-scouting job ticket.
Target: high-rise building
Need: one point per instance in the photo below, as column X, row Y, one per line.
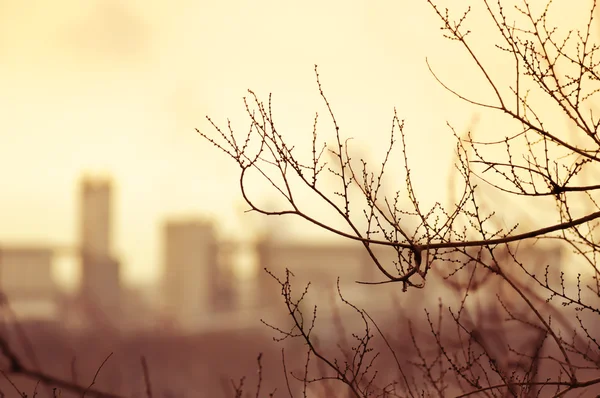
column 190, row 272
column 96, row 217
column 100, row 276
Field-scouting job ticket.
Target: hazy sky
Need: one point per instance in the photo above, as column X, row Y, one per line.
column 114, row 87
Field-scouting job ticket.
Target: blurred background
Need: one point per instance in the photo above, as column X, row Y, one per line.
column 115, row 214
column 116, row 89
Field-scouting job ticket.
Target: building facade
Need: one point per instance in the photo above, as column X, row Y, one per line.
column 100, row 288
column 190, row 272
column 319, row 264
column 27, row 280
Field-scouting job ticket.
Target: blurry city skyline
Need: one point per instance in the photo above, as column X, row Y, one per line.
column 201, row 286
column 106, row 87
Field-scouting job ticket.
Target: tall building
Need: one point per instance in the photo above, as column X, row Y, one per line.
column 100, row 276
column 190, row 272
column 96, row 217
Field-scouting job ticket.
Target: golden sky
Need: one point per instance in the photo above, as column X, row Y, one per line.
column 114, row 87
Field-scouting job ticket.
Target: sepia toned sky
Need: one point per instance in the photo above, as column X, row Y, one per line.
column 116, row 88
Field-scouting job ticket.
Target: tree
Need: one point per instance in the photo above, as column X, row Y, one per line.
column 538, row 336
